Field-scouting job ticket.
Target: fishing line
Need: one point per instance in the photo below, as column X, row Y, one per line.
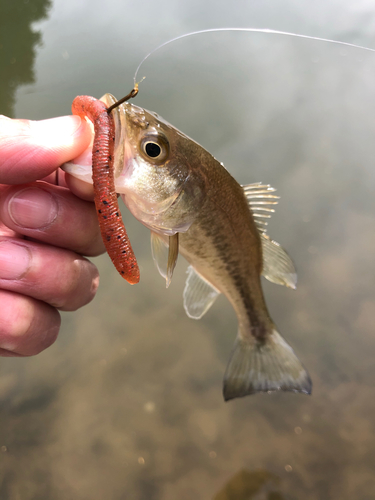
column 252, row 30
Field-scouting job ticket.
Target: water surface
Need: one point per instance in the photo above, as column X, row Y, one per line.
column 127, row 403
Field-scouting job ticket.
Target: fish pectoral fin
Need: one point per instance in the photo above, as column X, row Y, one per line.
column 159, row 251
column 277, row 265
column 172, row 257
column 264, row 366
column 164, row 254
column 199, row 294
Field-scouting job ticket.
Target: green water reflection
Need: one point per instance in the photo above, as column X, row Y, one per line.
column 18, row 43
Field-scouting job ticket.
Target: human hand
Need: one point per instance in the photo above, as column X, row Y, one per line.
column 45, row 229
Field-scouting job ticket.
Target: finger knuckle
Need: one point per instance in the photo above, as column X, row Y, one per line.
column 44, row 339
column 93, row 244
column 13, row 329
column 79, row 287
column 27, row 326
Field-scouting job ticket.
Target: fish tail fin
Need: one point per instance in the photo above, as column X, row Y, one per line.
column 263, row 366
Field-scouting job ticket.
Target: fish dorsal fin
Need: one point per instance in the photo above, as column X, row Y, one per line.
column 164, row 253
column 277, row 265
column 199, row 294
column 261, row 201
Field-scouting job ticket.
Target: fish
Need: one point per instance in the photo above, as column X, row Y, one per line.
column 194, row 207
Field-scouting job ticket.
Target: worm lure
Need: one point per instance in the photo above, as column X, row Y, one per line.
column 112, row 228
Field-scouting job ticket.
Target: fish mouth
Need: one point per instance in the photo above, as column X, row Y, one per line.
column 119, row 118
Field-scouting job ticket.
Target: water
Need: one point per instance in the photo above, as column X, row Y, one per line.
column 127, row 403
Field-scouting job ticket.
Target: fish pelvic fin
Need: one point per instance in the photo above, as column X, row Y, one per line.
column 264, row 366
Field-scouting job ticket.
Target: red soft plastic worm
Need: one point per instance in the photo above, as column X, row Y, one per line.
column 112, row 228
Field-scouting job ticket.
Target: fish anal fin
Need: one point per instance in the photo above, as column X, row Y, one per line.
column 278, row 267
column 199, row 294
column 264, row 366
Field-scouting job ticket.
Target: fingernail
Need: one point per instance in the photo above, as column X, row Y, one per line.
column 14, row 260
column 32, row 208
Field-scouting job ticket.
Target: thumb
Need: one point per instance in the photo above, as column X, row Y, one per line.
column 31, row 150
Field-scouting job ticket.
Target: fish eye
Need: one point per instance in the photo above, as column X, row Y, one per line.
column 155, row 147
column 152, row 149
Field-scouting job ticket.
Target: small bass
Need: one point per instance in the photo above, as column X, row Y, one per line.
column 193, row 206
